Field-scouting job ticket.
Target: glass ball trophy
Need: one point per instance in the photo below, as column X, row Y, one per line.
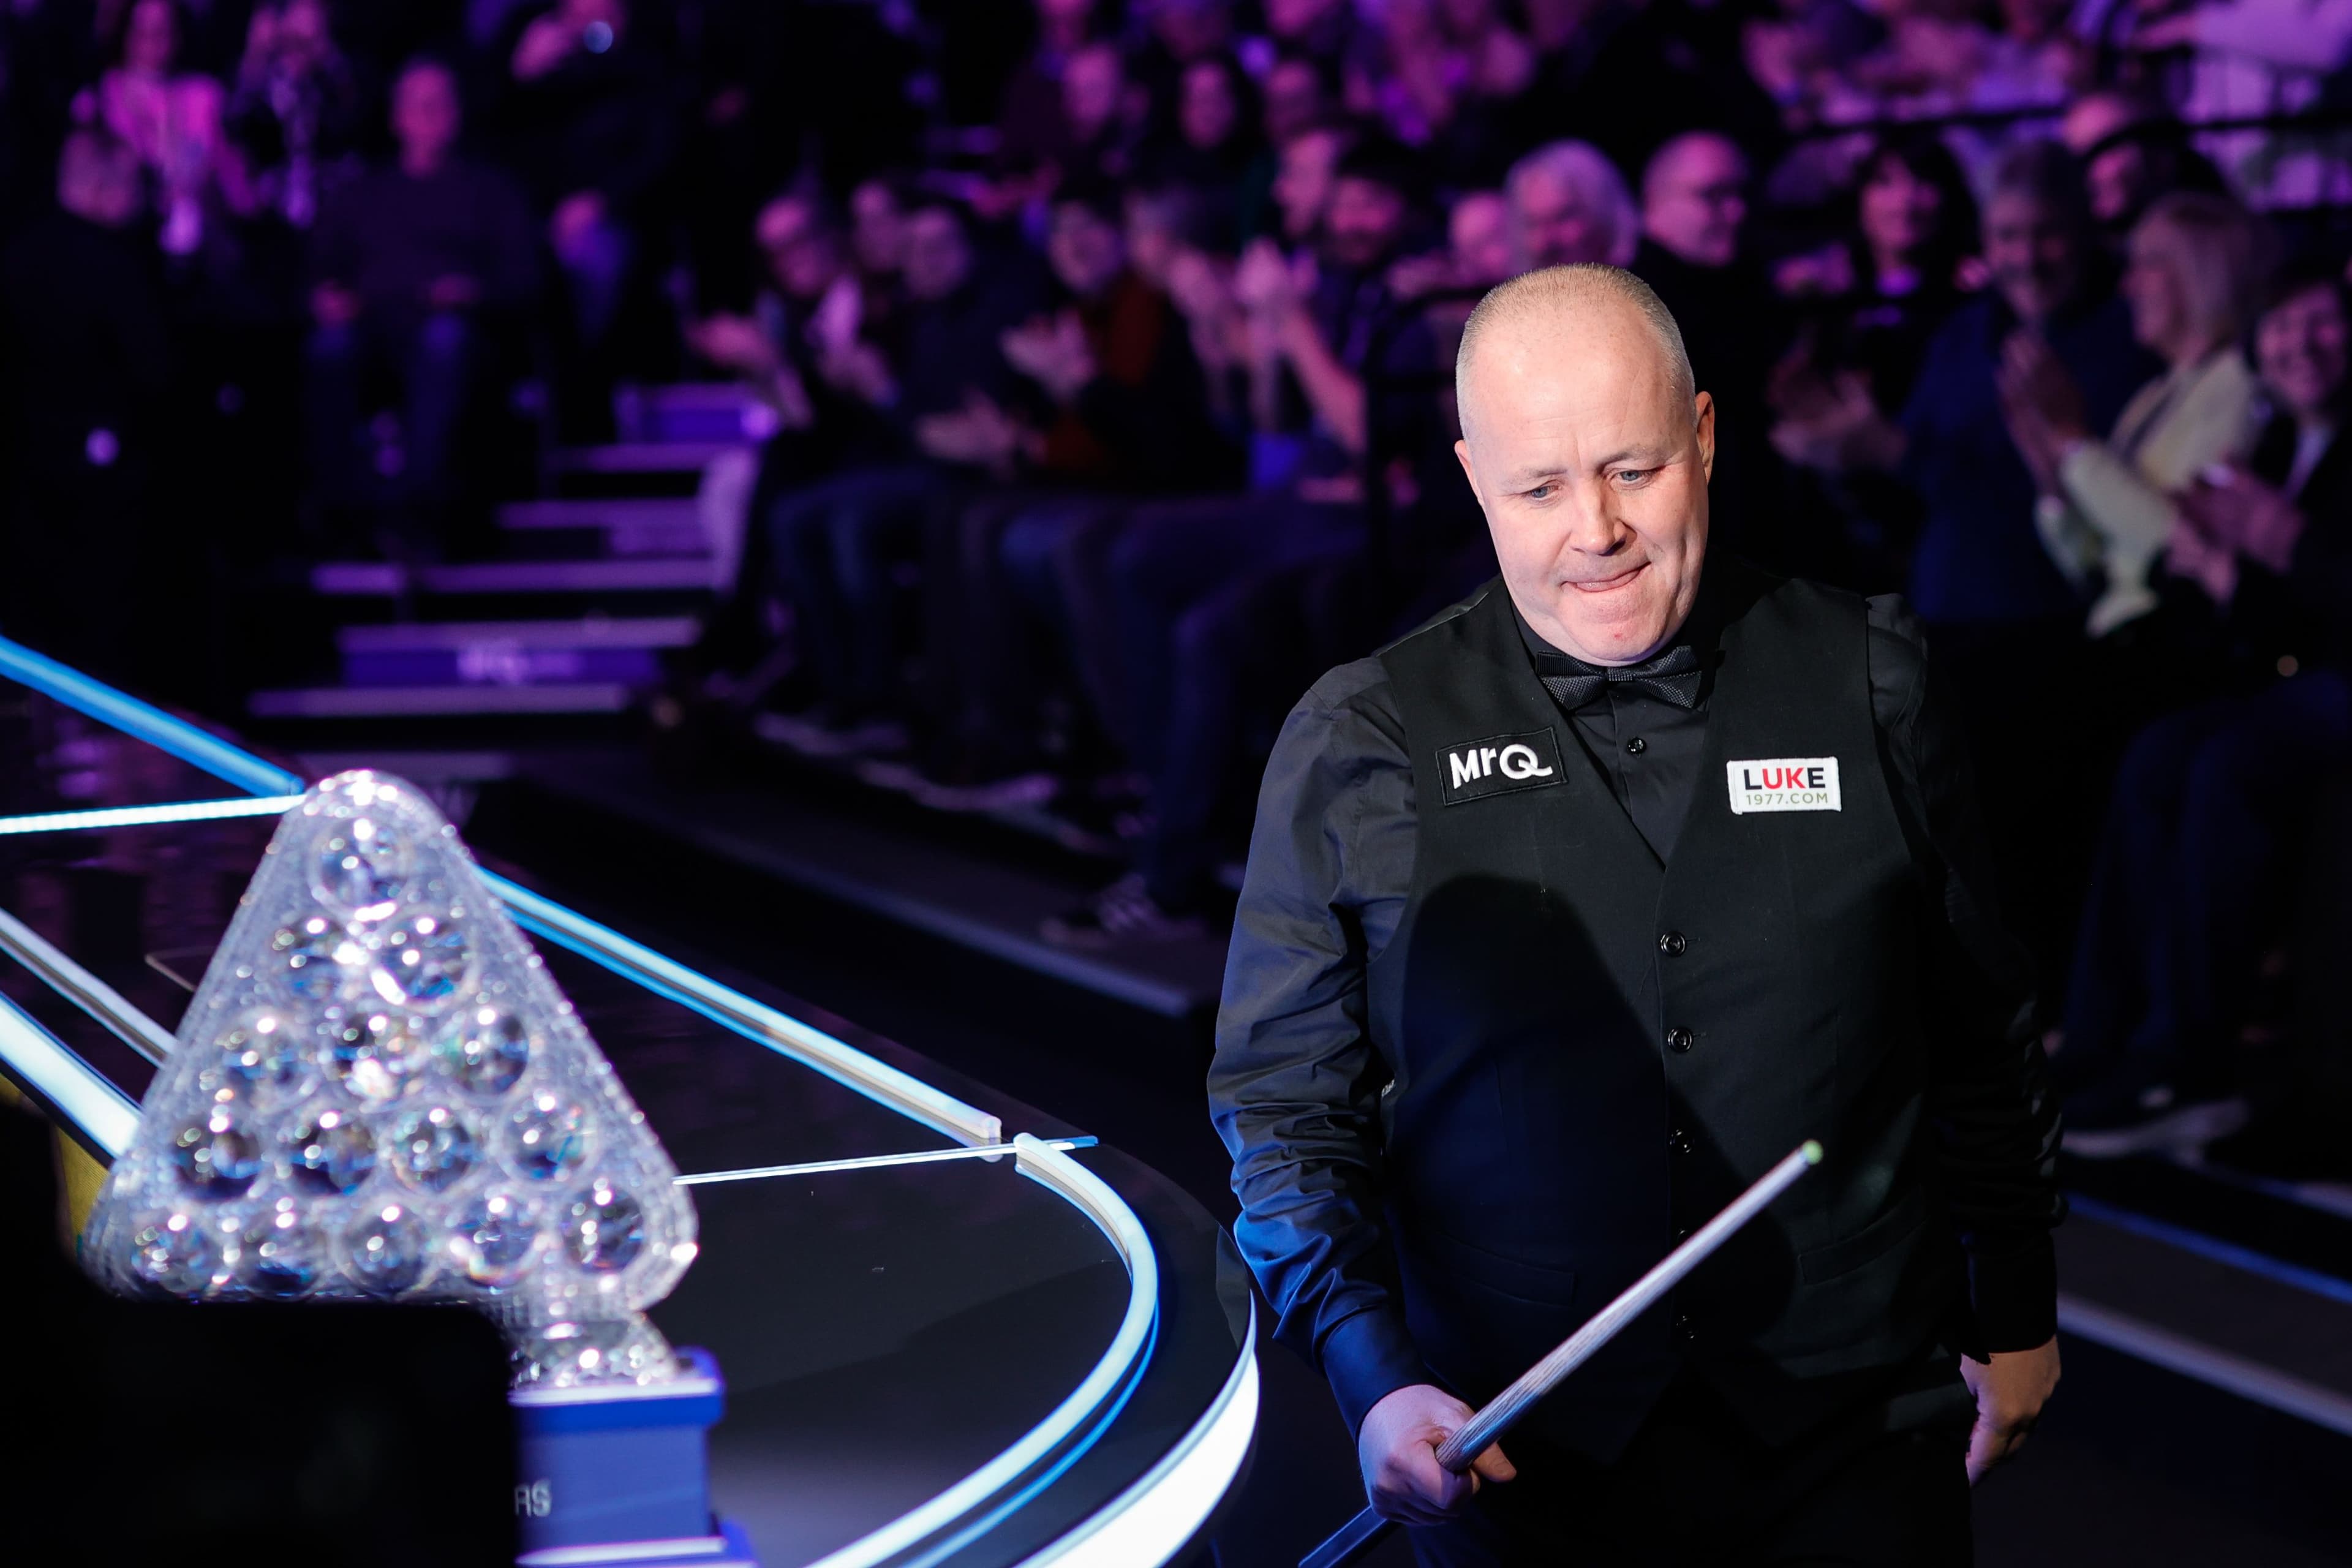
column 379, row 1093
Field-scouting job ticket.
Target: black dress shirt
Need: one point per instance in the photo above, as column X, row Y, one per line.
column 1330, row 871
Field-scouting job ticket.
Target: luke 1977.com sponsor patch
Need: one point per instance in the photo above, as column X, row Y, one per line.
column 1784, row 784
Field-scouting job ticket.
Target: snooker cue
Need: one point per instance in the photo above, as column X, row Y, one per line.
column 1361, row 1534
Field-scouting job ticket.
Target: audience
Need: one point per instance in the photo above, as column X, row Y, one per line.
column 412, row 264
column 1106, row 361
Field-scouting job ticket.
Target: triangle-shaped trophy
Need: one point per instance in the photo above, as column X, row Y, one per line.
column 379, row 1093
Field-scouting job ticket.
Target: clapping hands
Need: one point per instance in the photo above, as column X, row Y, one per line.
column 1053, row 352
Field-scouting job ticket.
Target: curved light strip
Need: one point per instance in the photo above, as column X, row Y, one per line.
column 755, row 1021
column 1150, row 1521
column 1130, row 1347
column 165, row 731
column 82, row 1093
column 787, row 1036
column 144, row 815
column 1052, row 1169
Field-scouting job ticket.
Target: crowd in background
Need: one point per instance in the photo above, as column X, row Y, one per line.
column 1107, row 345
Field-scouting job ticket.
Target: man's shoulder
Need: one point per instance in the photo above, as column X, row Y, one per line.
column 1440, row 629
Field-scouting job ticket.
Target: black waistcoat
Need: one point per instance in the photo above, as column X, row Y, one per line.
column 1594, row 1053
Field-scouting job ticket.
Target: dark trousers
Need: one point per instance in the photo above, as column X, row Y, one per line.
column 1693, row 1491
column 836, row 544
column 2194, row 870
column 1198, row 590
column 427, row 363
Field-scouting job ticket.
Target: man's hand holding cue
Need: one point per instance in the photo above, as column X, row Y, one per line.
column 1398, row 1452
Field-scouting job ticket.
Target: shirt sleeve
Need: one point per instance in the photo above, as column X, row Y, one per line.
column 1994, row 1114
column 1295, row 1087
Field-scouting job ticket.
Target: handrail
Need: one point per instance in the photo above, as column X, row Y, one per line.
column 84, row 990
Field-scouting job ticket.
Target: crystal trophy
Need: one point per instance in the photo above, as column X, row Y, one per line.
column 379, row 1093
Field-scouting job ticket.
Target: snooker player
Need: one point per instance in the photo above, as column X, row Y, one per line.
column 1567, row 916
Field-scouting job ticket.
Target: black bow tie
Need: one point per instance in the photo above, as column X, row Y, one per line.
column 1673, row 676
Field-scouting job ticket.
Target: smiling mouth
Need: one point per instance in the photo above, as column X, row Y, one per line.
column 1608, row 584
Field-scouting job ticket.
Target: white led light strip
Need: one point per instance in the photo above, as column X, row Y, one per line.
column 146, row 816
column 41, row 1062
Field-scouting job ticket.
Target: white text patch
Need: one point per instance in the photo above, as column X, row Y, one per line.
column 1784, row 784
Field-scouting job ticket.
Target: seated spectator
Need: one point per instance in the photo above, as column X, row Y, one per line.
column 1213, row 151
column 1203, row 592
column 1097, row 134
column 1118, row 410
column 2006, row 622
column 2197, row 864
column 412, row 264
column 2133, row 151
column 293, row 117
column 587, row 104
column 2106, row 508
column 940, row 391
column 1569, row 203
column 1694, row 203
column 1907, row 259
column 806, row 335
column 171, row 119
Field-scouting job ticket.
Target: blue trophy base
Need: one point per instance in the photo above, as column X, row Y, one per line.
column 619, row 1478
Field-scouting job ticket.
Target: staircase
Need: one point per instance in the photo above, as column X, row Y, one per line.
column 590, row 586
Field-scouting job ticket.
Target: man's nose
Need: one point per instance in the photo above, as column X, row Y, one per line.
column 1595, row 529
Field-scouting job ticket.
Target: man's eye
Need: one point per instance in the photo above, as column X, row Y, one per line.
column 1541, row 493
column 1633, row 476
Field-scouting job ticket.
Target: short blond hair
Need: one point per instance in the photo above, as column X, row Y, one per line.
column 1565, row 287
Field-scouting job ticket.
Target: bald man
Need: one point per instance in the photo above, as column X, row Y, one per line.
column 1570, row 914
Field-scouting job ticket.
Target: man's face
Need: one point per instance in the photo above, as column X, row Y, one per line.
column 1206, row 112
column 1591, row 470
column 1294, row 101
column 937, row 258
column 2300, row 350
column 802, row 258
column 1556, row 227
column 1302, row 187
column 877, row 229
column 1085, row 249
column 425, row 113
column 1696, row 200
column 1091, row 84
column 1363, row 221
column 1478, row 234
column 2036, row 260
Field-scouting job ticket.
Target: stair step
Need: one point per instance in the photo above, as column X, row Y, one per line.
column 643, row 456
column 628, row 525
column 411, row 701
column 693, row 411
column 582, row 632
column 502, row 664
column 642, row 575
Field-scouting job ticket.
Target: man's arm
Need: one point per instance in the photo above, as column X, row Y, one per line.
column 1295, row 1087
column 1994, row 1113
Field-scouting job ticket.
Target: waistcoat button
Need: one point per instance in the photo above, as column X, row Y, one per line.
column 1637, row 746
column 1672, row 943
column 1680, row 1039
column 1678, row 1142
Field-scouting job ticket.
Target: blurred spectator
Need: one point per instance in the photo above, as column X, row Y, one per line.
column 1694, row 203
column 1097, row 134
column 1907, row 260
column 2197, row 866
column 1117, row 410
column 2132, row 151
column 2007, row 623
column 2107, row 510
column 85, row 360
column 412, row 265
column 171, row 119
column 1213, row 152
column 1201, row 591
column 942, row 393
column 1298, row 95
column 806, row 326
column 295, row 112
column 1569, row 203
column 590, row 112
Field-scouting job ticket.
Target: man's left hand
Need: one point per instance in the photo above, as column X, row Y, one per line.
column 2010, row 1390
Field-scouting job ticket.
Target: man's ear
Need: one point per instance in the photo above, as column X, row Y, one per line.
column 1462, row 453
column 1705, row 403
